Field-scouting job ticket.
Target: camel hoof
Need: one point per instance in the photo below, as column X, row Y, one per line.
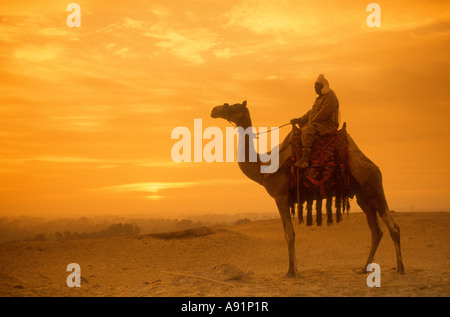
column 291, row 274
column 400, row 271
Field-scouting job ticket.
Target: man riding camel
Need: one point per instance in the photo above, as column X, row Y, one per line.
column 321, row 119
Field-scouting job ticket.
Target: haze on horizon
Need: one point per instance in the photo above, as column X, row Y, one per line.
column 86, row 114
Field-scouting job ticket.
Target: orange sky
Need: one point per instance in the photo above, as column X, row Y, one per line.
column 86, row 114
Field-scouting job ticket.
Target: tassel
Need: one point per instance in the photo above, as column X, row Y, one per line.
column 319, row 212
column 300, row 213
column 347, row 204
column 329, row 210
column 309, row 219
column 338, row 208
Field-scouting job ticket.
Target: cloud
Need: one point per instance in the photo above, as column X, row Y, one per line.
column 123, row 52
column 55, row 32
column 291, row 22
column 109, row 28
column 224, row 53
column 78, row 122
column 155, row 197
column 65, row 159
column 134, row 24
column 157, row 108
column 152, row 187
column 156, row 187
column 410, row 15
column 162, row 164
column 33, row 53
column 274, row 17
column 32, row 28
column 102, row 163
column 189, row 45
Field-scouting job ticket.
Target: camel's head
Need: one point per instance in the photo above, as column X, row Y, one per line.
column 235, row 113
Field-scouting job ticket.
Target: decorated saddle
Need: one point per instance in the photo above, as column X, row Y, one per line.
column 328, row 174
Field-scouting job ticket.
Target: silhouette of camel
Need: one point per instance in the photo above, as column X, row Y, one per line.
column 370, row 195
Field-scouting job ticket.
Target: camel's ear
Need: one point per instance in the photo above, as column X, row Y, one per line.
column 244, row 103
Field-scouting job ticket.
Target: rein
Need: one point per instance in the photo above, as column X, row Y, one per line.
column 281, row 126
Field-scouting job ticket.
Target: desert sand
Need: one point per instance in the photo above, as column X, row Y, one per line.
column 243, row 260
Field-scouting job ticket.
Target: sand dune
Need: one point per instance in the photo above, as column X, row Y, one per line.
column 244, row 260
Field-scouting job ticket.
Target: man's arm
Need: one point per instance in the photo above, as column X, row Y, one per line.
column 302, row 120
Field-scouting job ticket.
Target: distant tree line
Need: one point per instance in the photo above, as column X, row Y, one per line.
column 24, row 228
column 114, row 230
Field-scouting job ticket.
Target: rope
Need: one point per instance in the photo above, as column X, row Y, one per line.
column 281, row 126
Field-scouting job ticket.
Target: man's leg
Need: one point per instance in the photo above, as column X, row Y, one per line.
column 308, row 136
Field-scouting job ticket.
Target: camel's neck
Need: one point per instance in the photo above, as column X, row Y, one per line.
column 251, row 169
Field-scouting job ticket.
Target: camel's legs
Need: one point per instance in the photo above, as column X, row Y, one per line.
column 394, row 230
column 376, row 233
column 379, row 202
column 289, row 233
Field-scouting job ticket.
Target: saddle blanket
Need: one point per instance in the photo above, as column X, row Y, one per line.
column 328, row 171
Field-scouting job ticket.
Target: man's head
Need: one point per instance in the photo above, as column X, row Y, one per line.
column 321, row 85
column 318, row 88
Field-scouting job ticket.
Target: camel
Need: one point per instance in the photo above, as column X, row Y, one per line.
column 370, row 195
